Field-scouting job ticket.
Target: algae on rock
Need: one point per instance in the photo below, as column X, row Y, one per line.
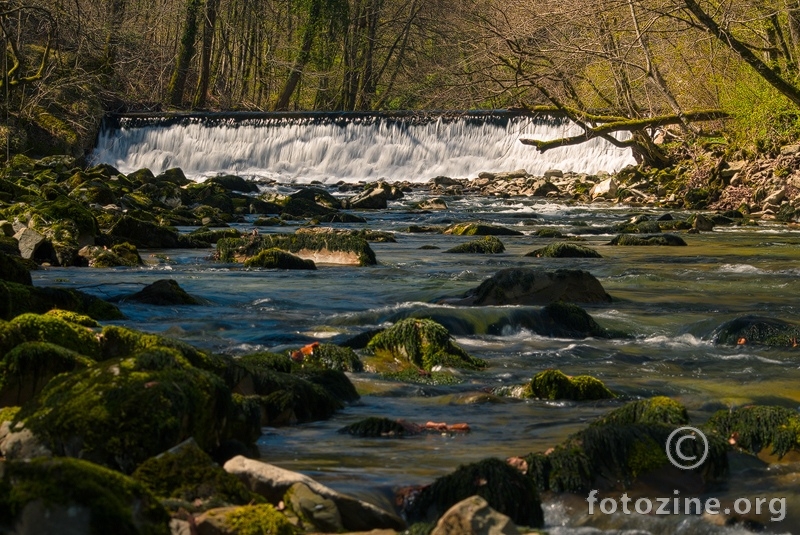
column 554, row 384
column 421, row 343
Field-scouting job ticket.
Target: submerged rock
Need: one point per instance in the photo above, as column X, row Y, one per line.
column 123, row 254
column 554, row 385
column 758, row 330
column 656, row 410
column 660, row 239
column 530, row 286
column 163, row 292
column 565, row 250
column 485, row 245
column 377, row 427
column 474, row 516
column 504, row 488
column 421, row 343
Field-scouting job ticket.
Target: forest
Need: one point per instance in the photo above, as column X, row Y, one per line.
column 725, row 70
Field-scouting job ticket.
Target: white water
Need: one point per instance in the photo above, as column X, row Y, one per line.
column 302, row 151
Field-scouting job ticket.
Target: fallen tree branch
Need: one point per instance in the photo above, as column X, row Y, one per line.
column 627, row 125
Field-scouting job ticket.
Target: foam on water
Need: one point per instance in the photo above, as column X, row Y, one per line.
column 329, row 151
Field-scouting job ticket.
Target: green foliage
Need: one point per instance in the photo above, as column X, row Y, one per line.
column 422, row 343
column 485, row 245
column 565, row 250
column 502, row 486
column 657, row 410
column 763, row 120
column 758, row 427
column 258, row 520
column 117, row 503
column 188, row 474
column 554, row 384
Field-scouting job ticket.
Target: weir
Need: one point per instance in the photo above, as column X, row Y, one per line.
column 349, row 146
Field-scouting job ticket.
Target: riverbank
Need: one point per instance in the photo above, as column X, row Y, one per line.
column 658, row 336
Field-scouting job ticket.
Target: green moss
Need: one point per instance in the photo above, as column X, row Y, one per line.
column 258, row 520
column 277, row 259
column 26, row 369
column 73, row 317
column 657, row 410
column 119, row 342
column 755, row 428
column 756, row 330
column 65, row 209
column 548, row 233
column 502, row 486
column 16, row 299
column 159, row 358
column 13, row 268
column 43, row 328
column 565, row 250
column 477, row 229
column 7, row 414
column 188, row 474
column 554, row 384
column 335, row 382
column 333, row 357
column 485, row 245
column 232, row 249
column 421, row 343
column 376, row 427
column 117, row 503
column 614, row 454
column 244, row 418
column 675, row 224
column 266, row 361
column 567, row 319
column 663, row 239
column 119, row 416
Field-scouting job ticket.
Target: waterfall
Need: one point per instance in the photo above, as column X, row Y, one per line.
column 349, row 147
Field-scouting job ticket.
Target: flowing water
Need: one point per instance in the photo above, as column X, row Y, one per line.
column 670, row 299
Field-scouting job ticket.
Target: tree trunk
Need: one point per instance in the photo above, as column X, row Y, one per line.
column 205, row 60
column 177, row 83
column 302, row 58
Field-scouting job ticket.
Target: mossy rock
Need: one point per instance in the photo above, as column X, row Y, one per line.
column 66, row 209
column 333, row 357
column 477, row 229
column 618, row 455
column 421, row 343
column 73, row 317
column 565, row 250
column 502, row 486
column 120, row 342
column 375, row 427
column 234, row 183
column 661, row 239
column 335, row 382
column 548, row 233
column 118, row 415
column 756, row 428
column 16, row 299
column 144, row 234
column 189, row 475
column 656, row 410
column 246, row 520
column 7, row 414
column 26, row 369
column 13, row 269
column 118, row 255
column 266, row 361
column 675, row 224
column 485, row 245
column 757, row 330
column 58, row 492
column 354, row 248
column 277, row 259
column 554, row 384
column 47, row 328
column 211, row 237
column 643, row 227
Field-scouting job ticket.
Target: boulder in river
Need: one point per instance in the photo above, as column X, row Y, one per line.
column 531, row 286
column 554, row 385
column 658, row 239
column 565, row 250
column 273, row 483
column 485, row 245
column 163, row 292
column 504, row 488
column 758, row 330
column 326, row 248
column 480, row 229
column 760, row 430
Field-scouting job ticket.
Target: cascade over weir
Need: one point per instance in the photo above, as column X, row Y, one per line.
column 348, row 146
